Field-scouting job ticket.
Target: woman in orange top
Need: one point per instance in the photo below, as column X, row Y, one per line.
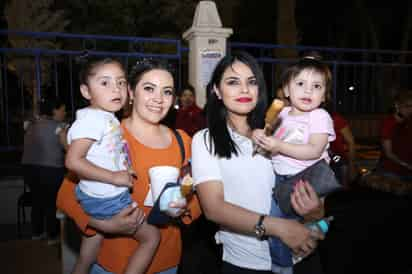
column 151, row 90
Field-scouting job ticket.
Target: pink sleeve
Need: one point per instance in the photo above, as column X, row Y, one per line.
column 321, row 122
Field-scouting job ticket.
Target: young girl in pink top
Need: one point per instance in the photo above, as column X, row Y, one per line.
column 305, row 129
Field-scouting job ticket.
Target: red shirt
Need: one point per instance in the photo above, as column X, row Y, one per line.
column 388, row 127
column 401, row 136
column 339, row 146
column 190, row 119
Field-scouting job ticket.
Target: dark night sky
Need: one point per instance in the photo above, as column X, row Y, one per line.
column 320, row 22
column 323, row 23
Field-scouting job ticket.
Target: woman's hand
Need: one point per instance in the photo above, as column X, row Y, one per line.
column 178, row 208
column 299, row 238
column 126, row 222
column 306, row 202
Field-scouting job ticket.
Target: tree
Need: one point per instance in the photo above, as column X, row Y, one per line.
column 145, row 18
column 287, row 33
column 36, row 16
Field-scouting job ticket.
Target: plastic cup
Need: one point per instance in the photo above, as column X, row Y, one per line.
column 160, row 176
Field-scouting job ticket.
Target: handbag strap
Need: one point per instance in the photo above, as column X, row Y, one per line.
column 178, row 221
column 181, row 145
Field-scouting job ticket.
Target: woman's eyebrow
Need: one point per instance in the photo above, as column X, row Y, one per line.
column 232, row 78
column 149, row 83
column 171, row 87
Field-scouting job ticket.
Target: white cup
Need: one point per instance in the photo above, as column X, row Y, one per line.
column 160, row 176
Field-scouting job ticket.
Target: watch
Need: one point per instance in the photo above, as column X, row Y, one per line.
column 260, row 230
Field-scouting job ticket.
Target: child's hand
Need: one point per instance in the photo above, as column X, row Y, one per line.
column 122, row 178
column 268, row 143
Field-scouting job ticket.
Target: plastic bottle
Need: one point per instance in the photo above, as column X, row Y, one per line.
column 321, row 225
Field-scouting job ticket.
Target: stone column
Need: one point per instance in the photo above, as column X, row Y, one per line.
column 207, row 45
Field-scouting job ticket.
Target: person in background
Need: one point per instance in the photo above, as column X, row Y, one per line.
column 396, row 157
column 43, row 166
column 189, row 116
column 233, row 185
column 151, row 95
column 344, row 146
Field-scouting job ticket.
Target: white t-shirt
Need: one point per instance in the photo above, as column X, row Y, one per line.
column 107, row 151
column 296, row 129
column 247, row 182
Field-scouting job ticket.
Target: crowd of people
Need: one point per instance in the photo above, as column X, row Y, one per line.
column 107, row 183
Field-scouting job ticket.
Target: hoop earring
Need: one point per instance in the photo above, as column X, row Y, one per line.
column 131, row 101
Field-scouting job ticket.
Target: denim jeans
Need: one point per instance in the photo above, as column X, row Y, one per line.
column 103, row 208
column 172, row 270
column 97, row 269
column 280, row 253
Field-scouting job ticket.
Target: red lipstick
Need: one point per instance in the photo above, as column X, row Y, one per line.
column 244, row 99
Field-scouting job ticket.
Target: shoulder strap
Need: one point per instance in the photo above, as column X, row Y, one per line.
column 181, row 144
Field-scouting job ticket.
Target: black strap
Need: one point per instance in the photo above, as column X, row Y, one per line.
column 181, row 145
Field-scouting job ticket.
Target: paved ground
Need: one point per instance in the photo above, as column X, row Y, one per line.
column 29, row 257
column 24, row 256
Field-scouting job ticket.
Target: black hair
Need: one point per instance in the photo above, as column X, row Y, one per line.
column 216, row 111
column 187, row 87
column 146, row 65
column 89, row 64
column 47, row 106
column 403, row 96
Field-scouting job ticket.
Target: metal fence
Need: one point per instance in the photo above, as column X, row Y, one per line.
column 42, row 71
column 364, row 80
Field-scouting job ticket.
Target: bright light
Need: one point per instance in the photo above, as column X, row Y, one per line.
column 351, row 88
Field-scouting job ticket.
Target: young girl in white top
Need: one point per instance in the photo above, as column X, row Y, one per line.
column 305, row 129
column 99, row 156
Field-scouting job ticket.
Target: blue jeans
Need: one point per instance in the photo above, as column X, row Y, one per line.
column 103, row 208
column 280, row 253
column 97, row 269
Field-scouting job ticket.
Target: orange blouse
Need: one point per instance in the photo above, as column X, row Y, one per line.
column 114, row 252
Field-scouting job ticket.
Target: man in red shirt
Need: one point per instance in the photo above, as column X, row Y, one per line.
column 189, row 117
column 396, row 134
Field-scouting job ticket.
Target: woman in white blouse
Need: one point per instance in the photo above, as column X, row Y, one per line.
column 235, row 187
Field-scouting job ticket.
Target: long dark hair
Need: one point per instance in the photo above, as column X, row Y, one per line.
column 216, row 111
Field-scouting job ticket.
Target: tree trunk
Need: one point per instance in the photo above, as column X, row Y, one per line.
column 286, row 28
column 286, row 35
